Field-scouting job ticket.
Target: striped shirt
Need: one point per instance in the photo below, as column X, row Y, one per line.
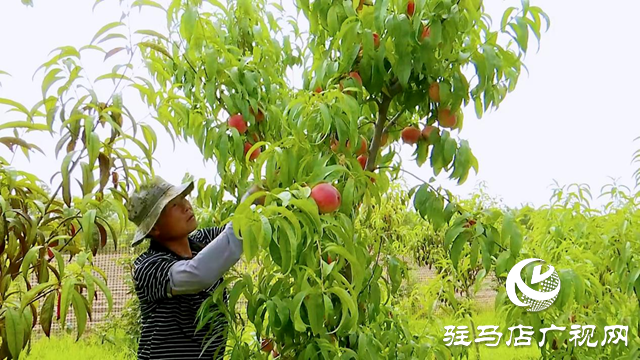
column 169, row 322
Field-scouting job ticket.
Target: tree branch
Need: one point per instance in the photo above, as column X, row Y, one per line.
column 383, row 110
column 394, row 120
column 376, row 264
column 375, row 144
column 419, row 179
column 395, row 89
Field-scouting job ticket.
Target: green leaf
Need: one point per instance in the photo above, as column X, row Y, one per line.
column 487, row 251
column 28, row 259
column 566, row 288
column 348, row 45
column 403, row 66
column 219, row 6
column 150, row 3
column 395, row 273
column 296, row 304
column 332, row 19
column 28, row 297
column 105, row 290
column 266, row 232
column 49, row 80
column 152, row 33
column 521, row 32
column 632, row 280
column 156, row 47
column 356, row 268
column 456, row 248
column 188, row 23
column 46, row 313
column 450, row 147
column 380, row 14
column 88, row 225
column 23, row 124
column 505, row 18
column 349, row 317
column 93, row 148
column 249, row 242
column 150, row 137
column 19, row 107
column 510, row 232
column 91, row 288
column 105, row 29
column 322, row 173
column 235, row 293
column 286, row 240
column 92, row 47
column 59, row 259
column 310, row 208
column 452, row 233
column 501, row 263
column 475, row 249
column 14, row 327
column 315, row 312
column 477, row 101
column 65, row 300
column 80, row 311
column 538, row 11
column 113, row 76
column 347, row 197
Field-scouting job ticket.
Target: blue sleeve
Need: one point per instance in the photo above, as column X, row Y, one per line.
column 208, row 266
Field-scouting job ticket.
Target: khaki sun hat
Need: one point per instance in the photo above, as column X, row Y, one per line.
column 146, row 204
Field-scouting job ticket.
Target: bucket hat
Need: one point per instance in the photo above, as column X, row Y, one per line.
column 146, row 204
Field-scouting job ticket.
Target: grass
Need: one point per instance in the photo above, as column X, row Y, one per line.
column 88, row 348
column 93, row 348
column 483, row 317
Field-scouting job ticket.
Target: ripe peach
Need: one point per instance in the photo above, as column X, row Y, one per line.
column 335, row 144
column 446, row 119
column 327, row 197
column 426, row 132
column 266, row 345
column 254, row 154
column 411, row 8
column 410, row 134
column 363, row 146
column 259, row 117
column 426, row 32
column 355, row 75
column 362, row 159
column 434, row 92
column 237, row 121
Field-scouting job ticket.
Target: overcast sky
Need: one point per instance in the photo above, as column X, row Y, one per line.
column 573, row 118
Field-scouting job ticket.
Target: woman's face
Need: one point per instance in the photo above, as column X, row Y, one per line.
column 176, row 221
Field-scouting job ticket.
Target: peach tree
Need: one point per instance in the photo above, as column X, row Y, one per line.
column 40, row 226
column 50, row 230
column 376, row 76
